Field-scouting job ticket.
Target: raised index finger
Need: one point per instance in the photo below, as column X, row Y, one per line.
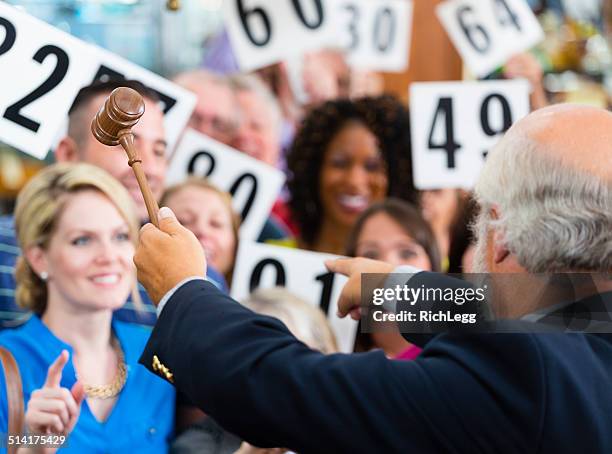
column 54, row 374
column 342, row 266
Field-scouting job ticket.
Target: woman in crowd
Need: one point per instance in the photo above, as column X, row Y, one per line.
column 346, row 156
column 208, row 213
column 395, row 232
column 77, row 229
column 305, row 322
column 442, row 209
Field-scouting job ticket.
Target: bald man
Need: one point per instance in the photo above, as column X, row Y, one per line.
column 546, row 203
column 217, row 112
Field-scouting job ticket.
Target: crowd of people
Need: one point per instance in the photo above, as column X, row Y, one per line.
column 72, row 311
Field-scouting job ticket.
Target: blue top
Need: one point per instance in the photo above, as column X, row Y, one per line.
column 11, row 315
column 142, row 419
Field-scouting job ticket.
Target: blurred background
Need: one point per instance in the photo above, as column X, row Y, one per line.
column 576, row 55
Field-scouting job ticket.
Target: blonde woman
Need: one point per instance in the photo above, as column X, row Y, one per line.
column 77, row 228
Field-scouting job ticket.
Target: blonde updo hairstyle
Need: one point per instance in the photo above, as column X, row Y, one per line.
column 37, row 212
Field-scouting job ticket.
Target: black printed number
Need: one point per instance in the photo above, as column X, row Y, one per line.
column 104, row 74
column 248, row 16
column 13, row 112
column 327, row 281
column 280, row 279
column 476, row 34
column 384, row 30
column 202, row 164
column 444, row 113
column 383, row 34
column 445, row 110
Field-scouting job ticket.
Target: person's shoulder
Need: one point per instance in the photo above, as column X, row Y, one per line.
column 8, row 240
column 17, row 335
column 131, row 332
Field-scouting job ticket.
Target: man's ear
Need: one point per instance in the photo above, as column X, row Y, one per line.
column 36, row 257
column 67, row 150
column 500, row 252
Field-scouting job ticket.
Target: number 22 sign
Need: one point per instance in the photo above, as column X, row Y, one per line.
column 45, row 65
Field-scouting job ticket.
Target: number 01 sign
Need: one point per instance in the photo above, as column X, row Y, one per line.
column 302, row 273
column 454, row 124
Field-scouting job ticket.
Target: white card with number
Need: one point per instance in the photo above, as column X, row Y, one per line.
column 454, row 124
column 302, row 273
column 375, row 33
column 253, row 185
column 263, row 32
column 176, row 102
column 488, row 32
column 43, row 69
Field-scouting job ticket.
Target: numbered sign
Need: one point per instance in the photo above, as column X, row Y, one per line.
column 302, row 273
column 176, row 102
column 375, row 33
column 253, row 185
column 488, row 32
column 454, row 124
column 263, row 32
column 42, row 71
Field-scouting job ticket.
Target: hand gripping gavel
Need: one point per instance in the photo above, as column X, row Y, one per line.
column 112, row 126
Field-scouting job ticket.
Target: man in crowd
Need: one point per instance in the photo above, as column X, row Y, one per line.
column 217, row 113
column 259, row 134
column 546, row 199
column 79, row 145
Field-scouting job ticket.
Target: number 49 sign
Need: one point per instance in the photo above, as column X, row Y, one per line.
column 454, row 124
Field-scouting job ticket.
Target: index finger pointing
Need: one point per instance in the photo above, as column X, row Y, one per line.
column 54, row 374
column 342, row 266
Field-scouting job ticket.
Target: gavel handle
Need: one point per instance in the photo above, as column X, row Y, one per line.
column 127, row 142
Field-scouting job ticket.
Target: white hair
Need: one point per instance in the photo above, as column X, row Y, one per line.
column 253, row 83
column 553, row 217
column 200, row 76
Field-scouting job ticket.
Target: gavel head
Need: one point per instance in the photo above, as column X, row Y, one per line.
column 120, row 112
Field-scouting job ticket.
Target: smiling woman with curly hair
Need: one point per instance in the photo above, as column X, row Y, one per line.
column 346, row 156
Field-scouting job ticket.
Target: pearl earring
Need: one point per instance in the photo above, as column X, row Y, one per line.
column 44, row 275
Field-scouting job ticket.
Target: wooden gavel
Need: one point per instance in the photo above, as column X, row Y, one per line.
column 112, row 126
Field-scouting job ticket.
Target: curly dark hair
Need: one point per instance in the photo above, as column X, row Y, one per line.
column 385, row 116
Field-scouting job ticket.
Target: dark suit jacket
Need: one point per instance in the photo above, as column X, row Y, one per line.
column 466, row 393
